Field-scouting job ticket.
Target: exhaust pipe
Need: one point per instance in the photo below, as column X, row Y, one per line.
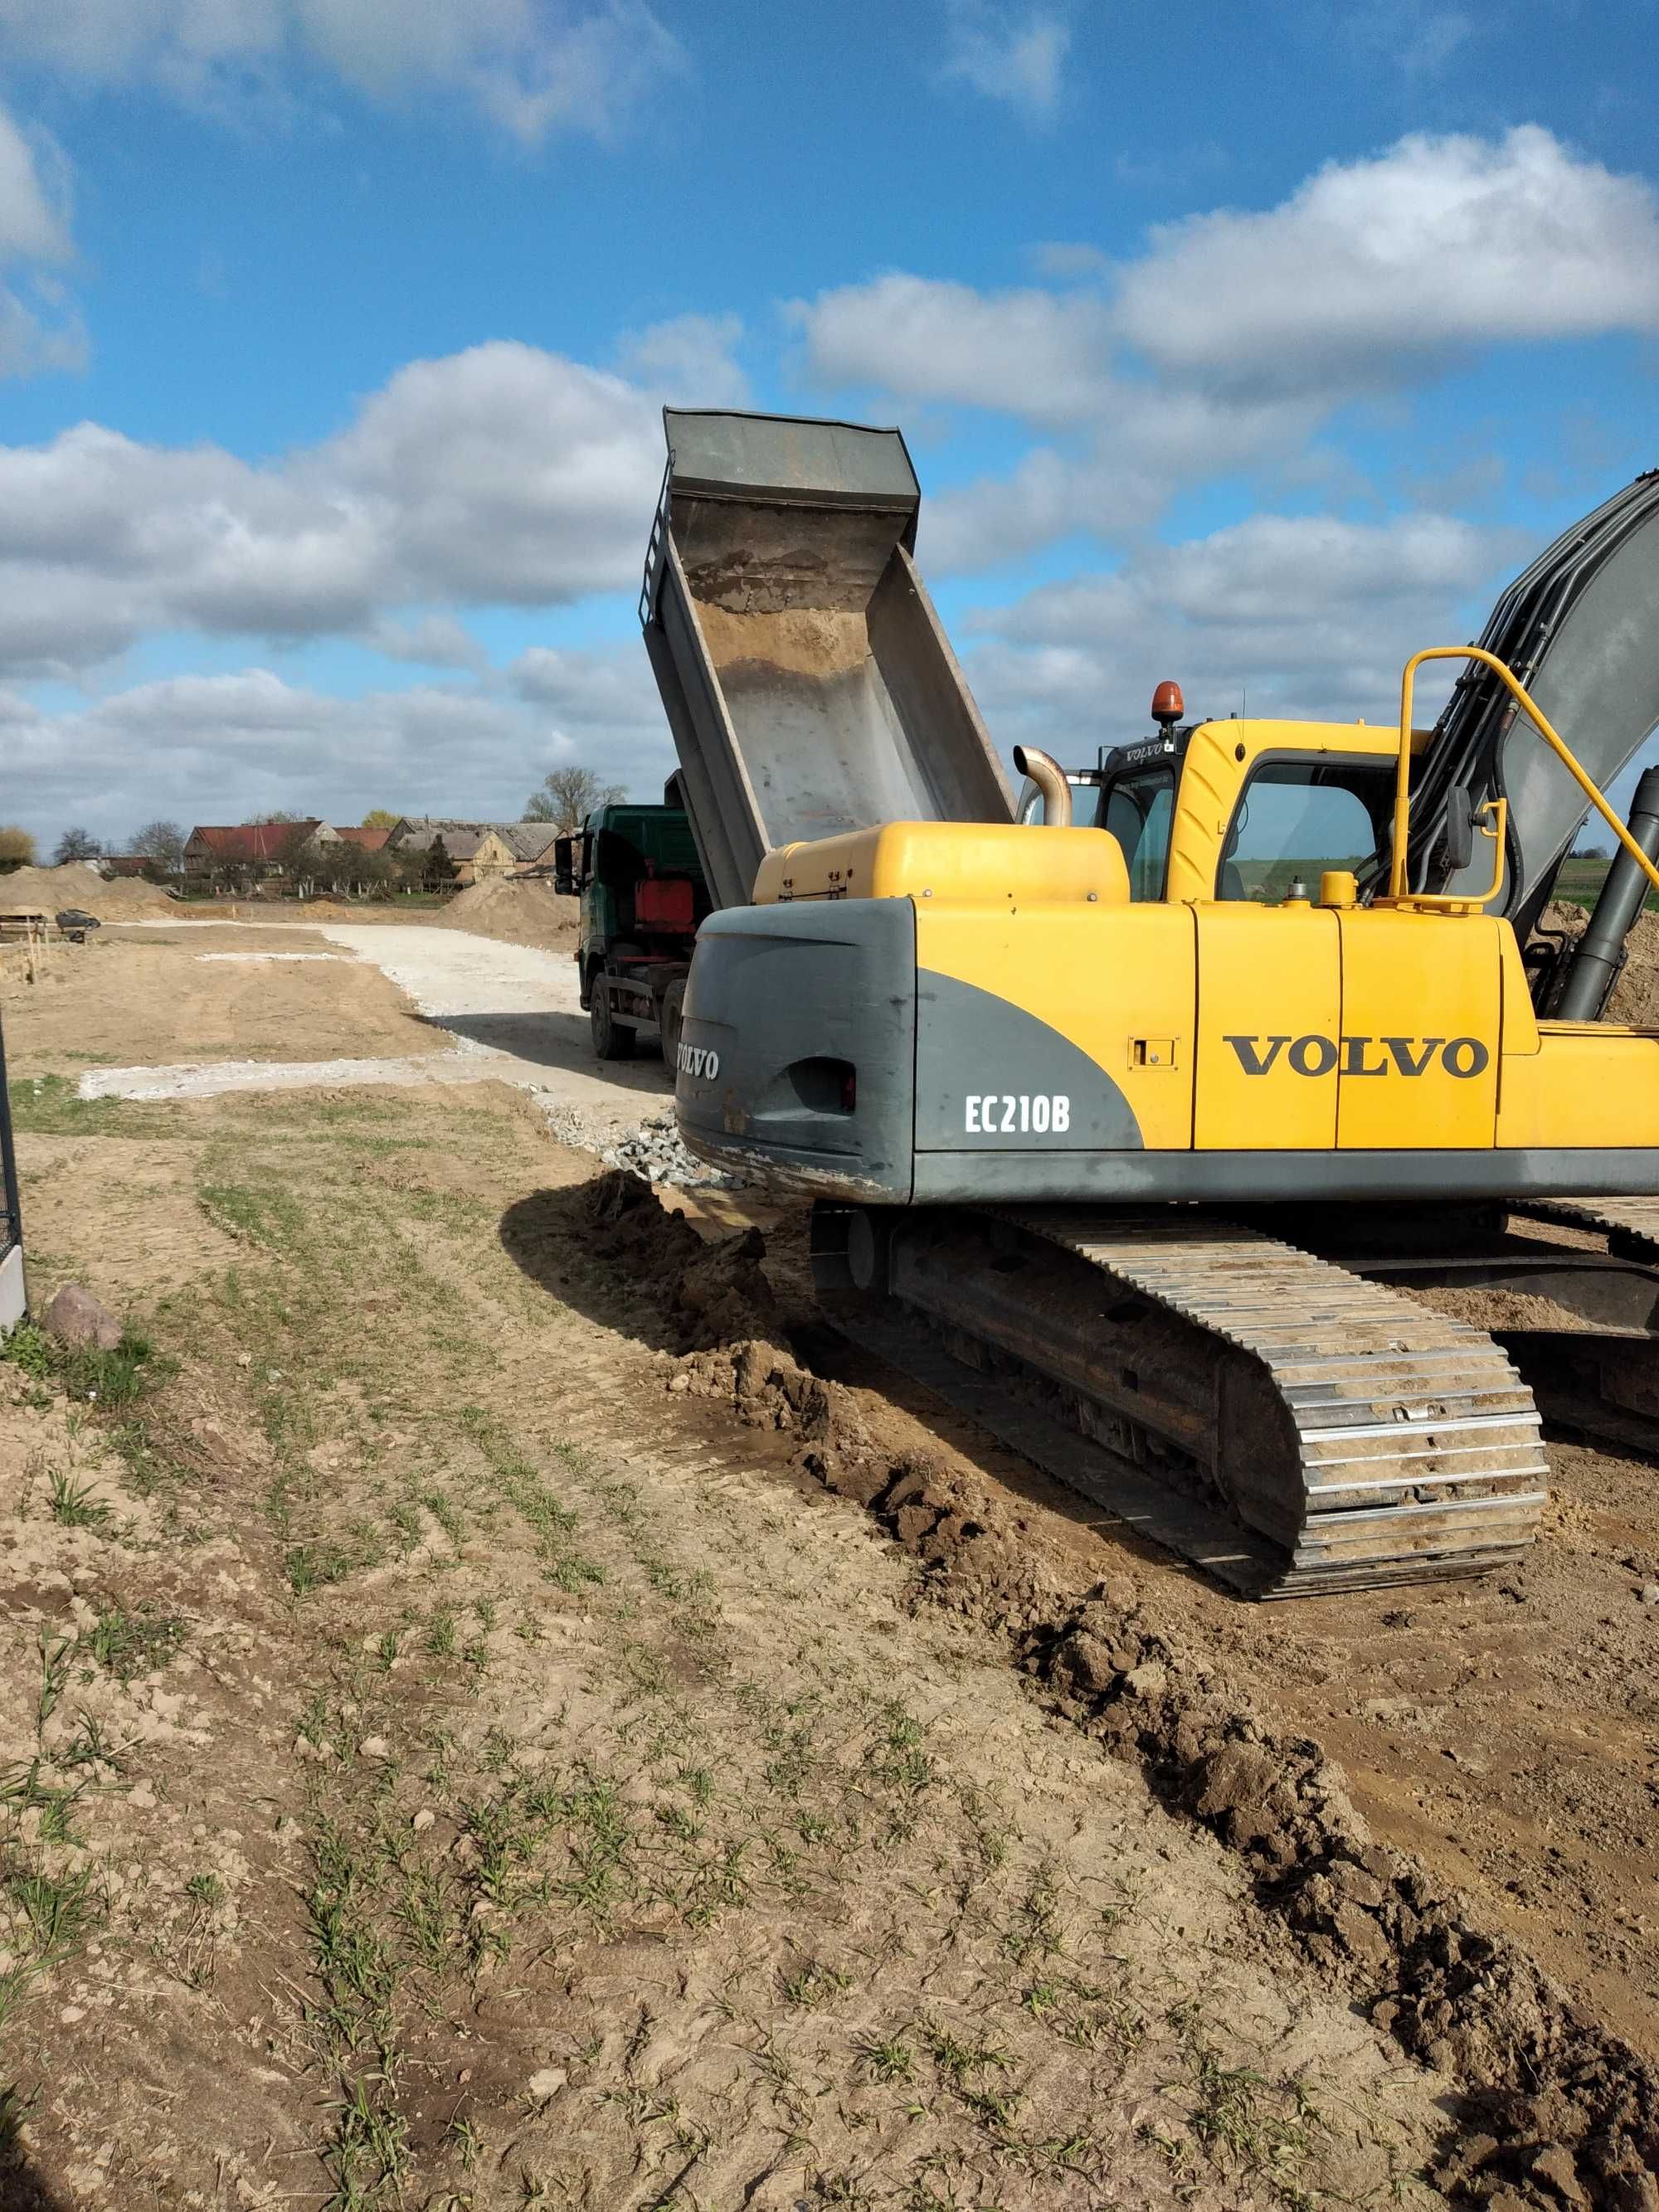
column 1046, row 772
column 1601, row 953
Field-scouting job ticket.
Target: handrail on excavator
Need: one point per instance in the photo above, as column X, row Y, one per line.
column 1398, row 886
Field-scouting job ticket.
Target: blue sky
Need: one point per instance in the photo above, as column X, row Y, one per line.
column 1253, row 347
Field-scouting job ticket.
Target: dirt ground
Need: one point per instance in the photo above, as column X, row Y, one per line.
column 447, row 1766
column 517, row 912
column 198, row 993
column 511, row 1712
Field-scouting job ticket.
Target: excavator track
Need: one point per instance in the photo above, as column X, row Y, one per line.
column 1608, row 1386
column 1631, row 1225
column 1293, row 1429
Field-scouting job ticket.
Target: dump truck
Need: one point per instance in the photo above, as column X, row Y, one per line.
column 642, row 893
column 1224, row 1133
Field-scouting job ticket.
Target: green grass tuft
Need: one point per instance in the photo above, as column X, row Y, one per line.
column 134, row 1643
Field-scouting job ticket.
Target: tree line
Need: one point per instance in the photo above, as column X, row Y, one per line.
column 564, row 798
column 160, row 845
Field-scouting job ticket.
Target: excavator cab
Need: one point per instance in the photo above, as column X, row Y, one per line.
column 1296, row 801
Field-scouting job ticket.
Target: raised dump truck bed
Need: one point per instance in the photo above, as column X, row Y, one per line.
column 808, row 682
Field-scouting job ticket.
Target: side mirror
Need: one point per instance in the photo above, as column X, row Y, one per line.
column 564, row 873
column 1460, row 828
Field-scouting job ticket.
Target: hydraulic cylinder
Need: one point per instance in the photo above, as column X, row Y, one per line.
column 1601, row 953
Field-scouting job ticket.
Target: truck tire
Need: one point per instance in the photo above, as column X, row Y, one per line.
column 673, row 1001
column 612, row 1040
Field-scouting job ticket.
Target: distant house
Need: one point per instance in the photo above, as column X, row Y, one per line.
column 478, row 849
column 124, row 864
column 251, row 852
column 366, row 840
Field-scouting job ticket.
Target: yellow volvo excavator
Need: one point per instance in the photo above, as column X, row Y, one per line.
column 1173, row 1120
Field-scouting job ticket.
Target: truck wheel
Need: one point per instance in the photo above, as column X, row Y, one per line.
column 611, row 1041
column 673, row 1002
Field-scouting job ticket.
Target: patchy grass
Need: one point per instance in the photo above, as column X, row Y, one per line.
column 52, row 1106
column 271, row 1217
column 638, row 1866
column 130, row 1644
column 111, row 1379
column 522, row 1482
column 73, row 1503
column 315, row 1566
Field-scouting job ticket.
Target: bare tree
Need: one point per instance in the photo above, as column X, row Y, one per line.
column 568, row 795
column 162, row 844
column 75, row 845
column 17, row 848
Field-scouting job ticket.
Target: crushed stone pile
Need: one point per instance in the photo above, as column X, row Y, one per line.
column 77, row 884
column 526, row 912
column 1636, row 994
column 653, row 1151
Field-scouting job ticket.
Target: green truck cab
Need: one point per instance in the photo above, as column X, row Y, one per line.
column 642, row 893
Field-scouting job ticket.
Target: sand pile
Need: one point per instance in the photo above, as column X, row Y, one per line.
column 76, row 884
column 1636, row 994
column 527, row 912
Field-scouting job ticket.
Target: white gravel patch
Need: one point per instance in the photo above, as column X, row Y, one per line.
column 211, row 1079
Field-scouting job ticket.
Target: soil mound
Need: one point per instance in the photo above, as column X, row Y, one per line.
column 1636, row 994
column 1554, row 2110
column 76, row 884
column 527, row 912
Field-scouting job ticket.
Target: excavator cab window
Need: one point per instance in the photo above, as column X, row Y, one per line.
column 1298, row 817
column 1138, row 812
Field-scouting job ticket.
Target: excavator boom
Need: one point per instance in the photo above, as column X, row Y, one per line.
column 1577, row 629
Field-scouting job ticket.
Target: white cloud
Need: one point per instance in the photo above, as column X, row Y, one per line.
column 1375, row 272
column 688, row 360
column 1119, row 477
column 502, row 475
column 1437, row 35
column 219, row 748
column 588, row 690
column 1420, row 37
column 39, row 326
column 1045, row 355
column 34, row 197
column 1066, row 260
column 1234, row 336
column 530, row 66
column 1013, row 56
column 431, row 641
column 1305, row 615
